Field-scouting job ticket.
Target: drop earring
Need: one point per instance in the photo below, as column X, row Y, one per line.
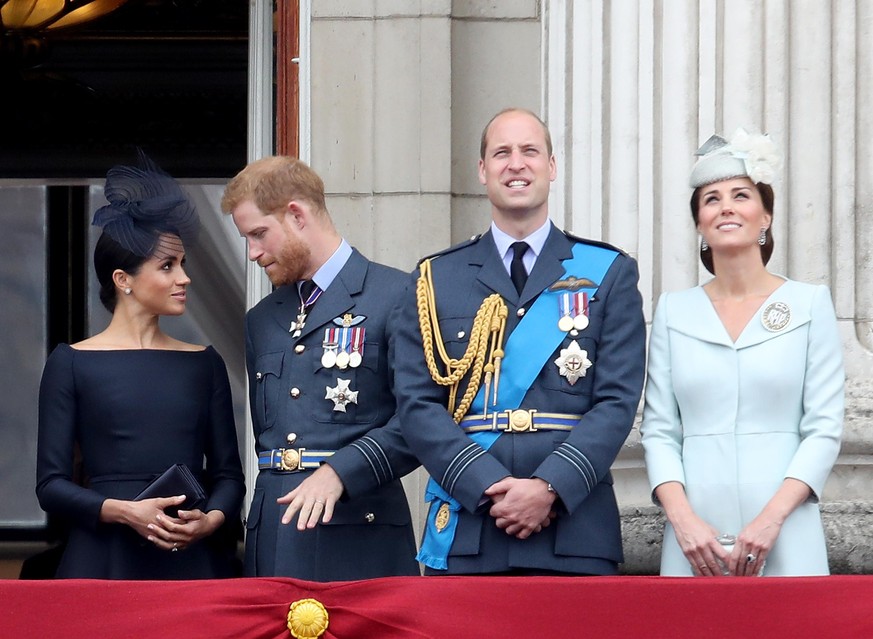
column 703, row 245
column 762, row 238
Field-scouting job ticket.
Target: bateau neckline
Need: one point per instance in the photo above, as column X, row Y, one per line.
column 135, row 350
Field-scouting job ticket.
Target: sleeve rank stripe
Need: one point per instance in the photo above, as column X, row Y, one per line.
column 465, row 451
column 463, row 467
column 579, row 462
column 375, row 456
column 380, row 455
column 459, row 464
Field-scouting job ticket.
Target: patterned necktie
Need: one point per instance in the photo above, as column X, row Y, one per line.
column 517, row 272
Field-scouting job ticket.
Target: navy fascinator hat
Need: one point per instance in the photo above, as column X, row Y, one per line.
column 145, row 203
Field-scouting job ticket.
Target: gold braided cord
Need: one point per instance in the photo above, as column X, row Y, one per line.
column 486, row 335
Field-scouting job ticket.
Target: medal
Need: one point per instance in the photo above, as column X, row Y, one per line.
column 328, row 358
column 573, row 362
column 356, row 356
column 574, row 312
column 341, row 395
column 580, row 319
column 342, row 360
column 565, row 323
column 298, row 324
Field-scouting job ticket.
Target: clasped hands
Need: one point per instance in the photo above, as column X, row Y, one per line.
column 521, row 507
column 699, row 542
column 148, row 518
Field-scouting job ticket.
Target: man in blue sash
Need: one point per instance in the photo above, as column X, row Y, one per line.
column 328, row 504
column 520, row 367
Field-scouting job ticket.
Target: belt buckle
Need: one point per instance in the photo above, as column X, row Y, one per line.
column 289, row 459
column 520, row 420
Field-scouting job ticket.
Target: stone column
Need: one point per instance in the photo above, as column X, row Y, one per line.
column 632, row 89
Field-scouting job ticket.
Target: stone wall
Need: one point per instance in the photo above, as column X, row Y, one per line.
column 400, row 90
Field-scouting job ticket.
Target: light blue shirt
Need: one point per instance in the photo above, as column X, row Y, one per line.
column 325, row 275
column 535, row 241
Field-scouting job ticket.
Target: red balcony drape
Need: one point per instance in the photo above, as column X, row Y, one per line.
column 837, row 606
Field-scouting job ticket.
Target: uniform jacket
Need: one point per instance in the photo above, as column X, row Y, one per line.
column 732, row 420
column 370, row 534
column 586, row 536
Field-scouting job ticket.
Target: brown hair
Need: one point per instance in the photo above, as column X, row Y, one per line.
column 272, row 182
column 483, row 143
column 767, row 199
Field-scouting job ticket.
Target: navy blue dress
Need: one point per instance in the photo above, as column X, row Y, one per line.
column 134, row 413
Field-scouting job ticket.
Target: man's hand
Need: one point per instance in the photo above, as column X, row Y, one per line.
column 313, row 498
column 521, row 507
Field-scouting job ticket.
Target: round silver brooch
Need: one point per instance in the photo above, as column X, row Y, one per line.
column 776, row 316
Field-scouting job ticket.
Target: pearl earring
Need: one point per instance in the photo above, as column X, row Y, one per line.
column 127, row 291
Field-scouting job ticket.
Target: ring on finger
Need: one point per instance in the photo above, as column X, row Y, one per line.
column 750, row 558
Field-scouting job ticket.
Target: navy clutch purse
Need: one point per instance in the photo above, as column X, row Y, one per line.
column 176, row 480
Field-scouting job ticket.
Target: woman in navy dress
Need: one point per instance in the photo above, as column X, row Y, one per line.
column 134, row 401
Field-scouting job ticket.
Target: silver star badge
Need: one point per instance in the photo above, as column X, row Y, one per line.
column 573, row 362
column 341, row 394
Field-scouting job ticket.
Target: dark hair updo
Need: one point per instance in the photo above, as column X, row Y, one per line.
column 110, row 256
column 144, row 204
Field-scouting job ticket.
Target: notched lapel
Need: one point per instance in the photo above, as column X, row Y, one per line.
column 286, row 303
column 492, row 273
column 547, row 269
column 338, row 298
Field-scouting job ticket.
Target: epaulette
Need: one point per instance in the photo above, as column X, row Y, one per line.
column 585, row 240
column 451, row 249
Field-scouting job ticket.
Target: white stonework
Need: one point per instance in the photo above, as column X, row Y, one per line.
column 399, row 93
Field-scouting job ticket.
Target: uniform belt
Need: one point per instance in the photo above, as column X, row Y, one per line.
column 525, row 420
column 292, row 460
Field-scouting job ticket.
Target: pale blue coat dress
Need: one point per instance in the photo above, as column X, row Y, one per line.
column 732, row 420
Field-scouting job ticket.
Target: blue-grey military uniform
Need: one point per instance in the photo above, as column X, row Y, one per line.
column 585, row 538
column 370, row 534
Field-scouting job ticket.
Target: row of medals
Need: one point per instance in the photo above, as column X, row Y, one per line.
column 574, row 312
column 342, row 359
column 569, row 323
column 333, row 355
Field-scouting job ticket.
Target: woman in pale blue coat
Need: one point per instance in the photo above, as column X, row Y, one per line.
column 744, row 400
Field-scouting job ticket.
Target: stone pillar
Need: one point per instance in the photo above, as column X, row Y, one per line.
column 633, row 88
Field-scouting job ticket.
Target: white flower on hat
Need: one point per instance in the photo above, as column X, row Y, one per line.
column 759, row 154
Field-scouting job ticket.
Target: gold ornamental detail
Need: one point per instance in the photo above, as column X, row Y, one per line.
column 483, row 354
column 444, row 514
column 307, row 619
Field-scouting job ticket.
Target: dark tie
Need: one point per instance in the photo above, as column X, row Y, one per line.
column 517, row 272
column 306, row 289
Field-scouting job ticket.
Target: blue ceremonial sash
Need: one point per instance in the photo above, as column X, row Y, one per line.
column 527, row 350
